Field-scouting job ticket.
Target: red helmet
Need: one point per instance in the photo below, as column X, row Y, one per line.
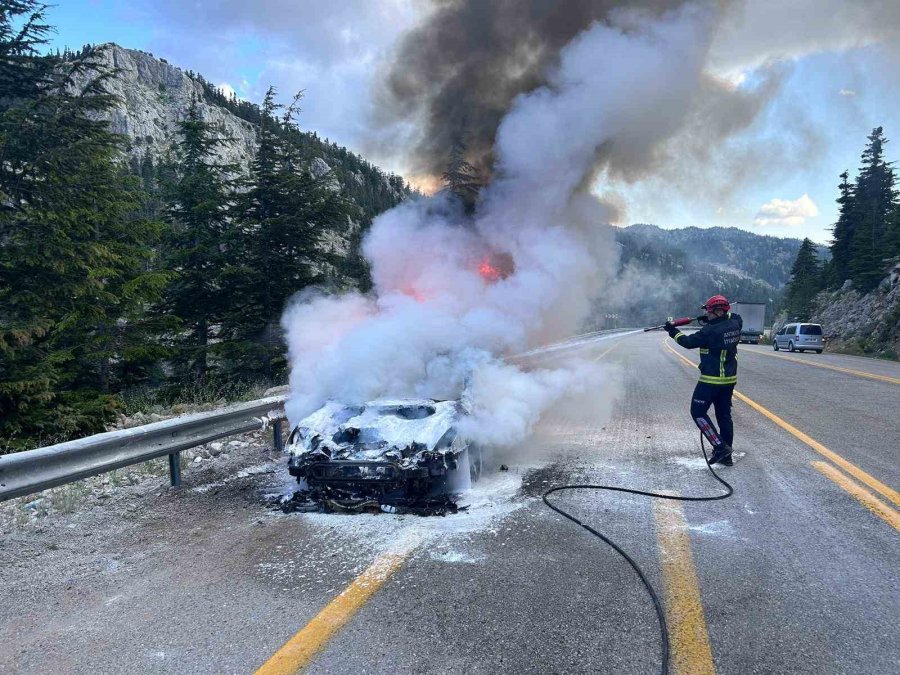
column 717, row 302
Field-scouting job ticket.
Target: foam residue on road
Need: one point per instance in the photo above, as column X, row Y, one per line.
column 482, row 508
column 699, row 463
column 455, row 557
column 351, row 542
column 255, row 470
column 689, row 462
column 715, row 528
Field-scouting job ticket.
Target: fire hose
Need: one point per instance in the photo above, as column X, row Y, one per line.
column 657, row 604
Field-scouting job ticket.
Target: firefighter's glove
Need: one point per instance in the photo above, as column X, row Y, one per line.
column 671, row 329
column 702, row 319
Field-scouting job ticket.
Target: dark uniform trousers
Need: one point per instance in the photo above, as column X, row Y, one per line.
column 719, row 397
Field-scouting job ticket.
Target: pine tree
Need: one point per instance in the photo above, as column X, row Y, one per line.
column 806, row 282
column 875, row 201
column 198, row 196
column 892, row 244
column 74, row 254
column 23, row 33
column 283, row 213
column 842, row 233
column 461, row 178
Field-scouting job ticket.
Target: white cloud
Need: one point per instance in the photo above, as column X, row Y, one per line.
column 226, row 89
column 786, row 212
column 847, row 92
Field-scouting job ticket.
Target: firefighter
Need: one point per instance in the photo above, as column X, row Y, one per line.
column 717, row 340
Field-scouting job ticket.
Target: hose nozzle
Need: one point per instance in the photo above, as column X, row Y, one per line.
column 677, row 322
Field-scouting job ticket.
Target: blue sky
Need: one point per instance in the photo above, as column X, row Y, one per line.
column 837, row 63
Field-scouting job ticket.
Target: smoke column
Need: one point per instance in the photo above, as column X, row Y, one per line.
column 435, row 325
column 457, row 74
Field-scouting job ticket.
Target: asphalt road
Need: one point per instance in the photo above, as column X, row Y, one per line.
column 796, row 573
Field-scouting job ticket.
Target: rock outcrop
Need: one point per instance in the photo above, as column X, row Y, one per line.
column 153, row 96
column 867, row 324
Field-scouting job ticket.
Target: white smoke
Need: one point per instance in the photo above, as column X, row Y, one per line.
column 434, row 326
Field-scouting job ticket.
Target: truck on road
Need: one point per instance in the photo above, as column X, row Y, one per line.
column 754, row 316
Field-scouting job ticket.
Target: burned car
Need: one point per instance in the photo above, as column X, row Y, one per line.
column 388, row 454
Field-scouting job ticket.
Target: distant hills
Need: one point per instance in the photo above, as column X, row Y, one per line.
column 671, row 272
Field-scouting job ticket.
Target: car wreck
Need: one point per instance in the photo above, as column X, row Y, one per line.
column 395, row 455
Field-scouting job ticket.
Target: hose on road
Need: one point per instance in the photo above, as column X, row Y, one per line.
column 657, row 604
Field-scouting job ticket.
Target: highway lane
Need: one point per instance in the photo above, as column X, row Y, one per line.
column 860, row 366
column 792, row 574
column 856, row 416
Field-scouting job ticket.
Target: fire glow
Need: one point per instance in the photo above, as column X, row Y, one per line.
column 496, row 266
column 487, row 271
column 414, row 293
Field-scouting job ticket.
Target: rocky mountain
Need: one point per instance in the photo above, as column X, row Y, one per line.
column 725, row 249
column 154, row 95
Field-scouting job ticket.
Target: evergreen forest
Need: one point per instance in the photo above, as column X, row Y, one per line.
column 168, row 275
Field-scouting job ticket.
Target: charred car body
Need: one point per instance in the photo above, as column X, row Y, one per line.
column 397, row 453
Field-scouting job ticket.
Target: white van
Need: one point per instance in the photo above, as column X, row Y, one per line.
column 798, row 337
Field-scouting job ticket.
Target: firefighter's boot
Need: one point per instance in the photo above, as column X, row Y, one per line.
column 722, row 455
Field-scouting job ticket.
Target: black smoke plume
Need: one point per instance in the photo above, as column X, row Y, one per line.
column 457, row 73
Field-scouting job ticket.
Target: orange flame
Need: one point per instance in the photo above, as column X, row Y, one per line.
column 488, row 271
column 496, row 266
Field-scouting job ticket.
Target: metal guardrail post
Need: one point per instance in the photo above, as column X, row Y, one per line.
column 277, row 437
column 175, row 469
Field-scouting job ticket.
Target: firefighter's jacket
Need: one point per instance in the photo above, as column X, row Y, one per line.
column 718, row 341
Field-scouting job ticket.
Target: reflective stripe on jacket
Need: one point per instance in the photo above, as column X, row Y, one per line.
column 717, row 341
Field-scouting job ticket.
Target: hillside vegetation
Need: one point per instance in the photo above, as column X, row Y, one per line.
column 150, row 237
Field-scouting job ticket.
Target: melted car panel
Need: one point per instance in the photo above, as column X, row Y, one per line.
column 393, row 453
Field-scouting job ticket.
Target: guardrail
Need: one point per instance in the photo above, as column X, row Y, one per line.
column 24, row 473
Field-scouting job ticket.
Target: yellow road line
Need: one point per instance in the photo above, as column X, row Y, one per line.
column 863, row 496
column 686, row 360
column 850, row 468
column 850, row 371
column 297, row 652
column 688, row 636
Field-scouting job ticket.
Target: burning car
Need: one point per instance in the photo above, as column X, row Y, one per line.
column 403, row 454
